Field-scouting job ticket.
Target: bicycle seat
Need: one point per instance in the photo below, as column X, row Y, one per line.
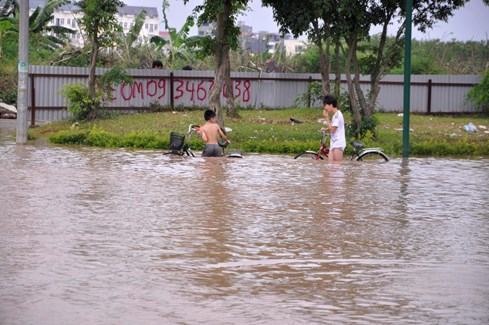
column 357, row 145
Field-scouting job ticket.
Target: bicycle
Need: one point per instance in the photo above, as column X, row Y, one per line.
column 360, row 153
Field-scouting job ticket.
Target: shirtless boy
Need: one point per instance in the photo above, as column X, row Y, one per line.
column 211, row 134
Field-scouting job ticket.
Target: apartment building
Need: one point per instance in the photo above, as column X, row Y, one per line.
column 68, row 16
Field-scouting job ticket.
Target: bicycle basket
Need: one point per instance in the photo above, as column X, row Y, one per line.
column 176, row 141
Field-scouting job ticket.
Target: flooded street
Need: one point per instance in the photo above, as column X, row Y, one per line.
column 97, row 236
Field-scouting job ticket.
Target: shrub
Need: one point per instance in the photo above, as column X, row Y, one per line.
column 69, row 137
column 313, row 95
column 367, row 128
column 80, row 104
column 479, row 95
column 101, row 138
column 8, row 87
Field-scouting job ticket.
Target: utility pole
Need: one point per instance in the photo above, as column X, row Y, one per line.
column 23, row 70
column 407, row 79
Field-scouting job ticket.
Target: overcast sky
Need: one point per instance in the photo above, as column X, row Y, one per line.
column 469, row 23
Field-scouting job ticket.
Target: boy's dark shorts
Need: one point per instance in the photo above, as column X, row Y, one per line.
column 212, row 150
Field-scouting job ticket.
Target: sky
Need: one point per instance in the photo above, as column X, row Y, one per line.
column 468, row 23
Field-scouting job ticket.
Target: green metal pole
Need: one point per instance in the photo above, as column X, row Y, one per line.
column 407, row 79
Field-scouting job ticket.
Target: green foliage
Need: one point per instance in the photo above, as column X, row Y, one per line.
column 114, row 77
column 307, row 61
column 83, row 106
column 209, row 12
column 43, row 38
column 99, row 21
column 270, row 131
column 428, row 57
column 69, row 137
column 8, row 84
column 101, row 28
column 453, row 57
column 479, row 95
column 100, row 138
column 313, row 94
column 367, row 128
column 80, row 104
column 180, row 48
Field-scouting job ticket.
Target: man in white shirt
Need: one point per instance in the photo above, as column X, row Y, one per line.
column 336, row 128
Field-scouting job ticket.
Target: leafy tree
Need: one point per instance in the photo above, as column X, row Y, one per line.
column 42, row 35
column 351, row 21
column 223, row 14
column 425, row 15
column 101, row 27
column 44, row 39
column 316, row 19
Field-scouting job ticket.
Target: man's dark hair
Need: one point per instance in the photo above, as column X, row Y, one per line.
column 157, row 64
column 330, row 100
column 208, row 114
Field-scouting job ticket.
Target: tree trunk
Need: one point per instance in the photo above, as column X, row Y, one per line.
column 231, row 108
column 383, row 61
column 377, row 72
column 92, row 91
column 356, row 81
column 93, row 66
column 324, row 66
column 222, row 69
column 337, row 79
column 215, row 95
column 357, row 117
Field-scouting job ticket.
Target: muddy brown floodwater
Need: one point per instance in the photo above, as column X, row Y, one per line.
column 95, row 236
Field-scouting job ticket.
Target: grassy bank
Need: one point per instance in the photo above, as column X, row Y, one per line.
column 270, row 131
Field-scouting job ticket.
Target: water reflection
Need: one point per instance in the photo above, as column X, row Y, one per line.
column 116, row 236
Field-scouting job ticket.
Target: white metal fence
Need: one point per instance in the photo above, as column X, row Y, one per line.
column 429, row 93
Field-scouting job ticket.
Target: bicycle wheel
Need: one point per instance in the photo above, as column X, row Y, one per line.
column 309, row 155
column 373, row 156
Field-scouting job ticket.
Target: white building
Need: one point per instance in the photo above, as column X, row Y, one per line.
column 291, row 46
column 68, row 16
column 206, row 29
column 294, row 46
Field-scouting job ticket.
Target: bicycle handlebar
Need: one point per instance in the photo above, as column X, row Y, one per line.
column 192, row 127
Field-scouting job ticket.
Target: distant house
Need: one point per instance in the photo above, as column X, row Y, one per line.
column 69, row 14
column 263, row 41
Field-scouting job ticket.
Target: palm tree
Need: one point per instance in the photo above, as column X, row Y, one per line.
column 180, row 45
column 126, row 46
column 42, row 34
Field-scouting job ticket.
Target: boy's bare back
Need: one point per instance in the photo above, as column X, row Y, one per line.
column 211, row 133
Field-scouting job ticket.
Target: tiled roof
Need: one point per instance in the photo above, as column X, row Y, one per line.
column 135, row 10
